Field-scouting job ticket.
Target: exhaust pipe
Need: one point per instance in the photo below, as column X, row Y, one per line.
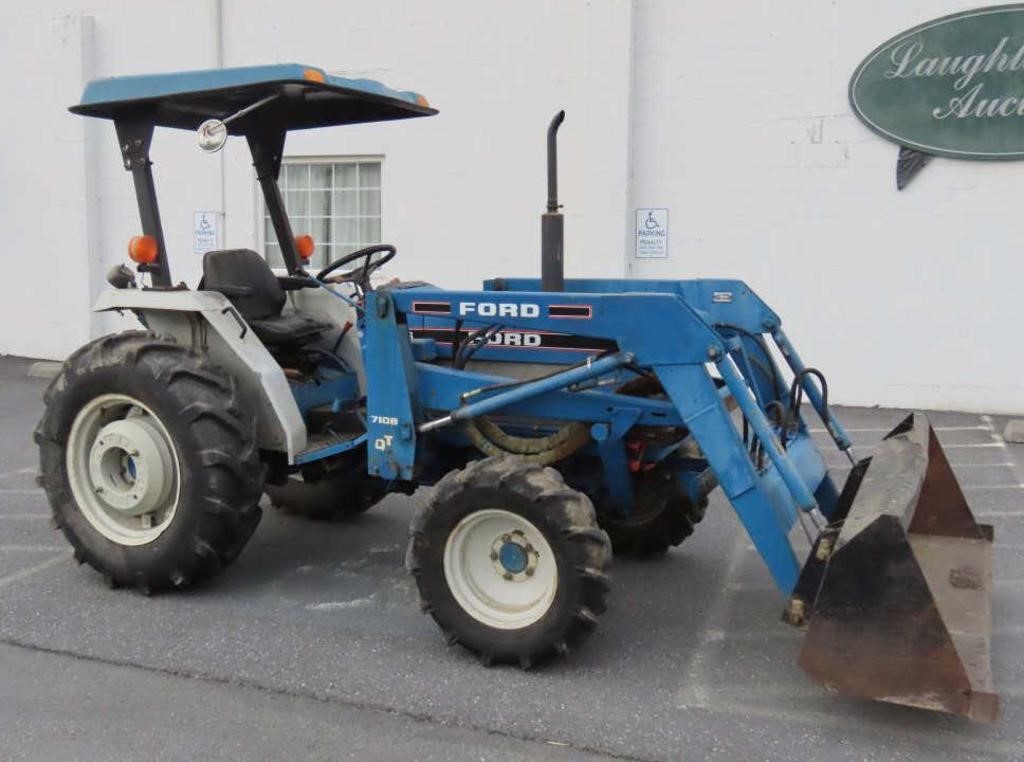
column 552, row 227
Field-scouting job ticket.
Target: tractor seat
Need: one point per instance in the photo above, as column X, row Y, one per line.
column 245, row 278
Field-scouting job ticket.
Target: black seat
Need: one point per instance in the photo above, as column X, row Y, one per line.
column 244, row 277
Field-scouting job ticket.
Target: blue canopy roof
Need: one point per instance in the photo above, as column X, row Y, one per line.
column 309, row 97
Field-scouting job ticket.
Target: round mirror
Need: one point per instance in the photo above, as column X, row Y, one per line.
column 212, row 135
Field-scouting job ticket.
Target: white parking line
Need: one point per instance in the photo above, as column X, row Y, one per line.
column 887, row 430
column 19, row 472
column 339, row 605
column 750, row 587
column 694, row 690
column 973, row 445
column 24, row 516
column 850, row 431
column 25, row 491
column 789, row 633
column 30, row 548
column 982, row 487
column 834, row 462
column 998, row 439
column 997, row 515
column 1000, row 464
column 30, row 570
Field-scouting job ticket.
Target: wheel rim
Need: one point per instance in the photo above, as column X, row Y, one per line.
column 500, row 569
column 123, row 469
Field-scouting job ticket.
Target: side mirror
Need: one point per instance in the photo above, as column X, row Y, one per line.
column 120, row 276
column 211, row 135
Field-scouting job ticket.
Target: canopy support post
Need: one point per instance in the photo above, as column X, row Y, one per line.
column 267, row 147
column 134, row 137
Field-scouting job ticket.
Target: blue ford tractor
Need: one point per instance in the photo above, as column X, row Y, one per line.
column 556, row 419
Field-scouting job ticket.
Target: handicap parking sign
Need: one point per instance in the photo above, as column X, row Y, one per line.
column 651, row 233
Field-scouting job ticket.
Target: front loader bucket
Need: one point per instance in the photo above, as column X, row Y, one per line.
column 897, row 592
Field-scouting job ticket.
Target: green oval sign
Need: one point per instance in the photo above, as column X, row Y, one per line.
column 951, row 87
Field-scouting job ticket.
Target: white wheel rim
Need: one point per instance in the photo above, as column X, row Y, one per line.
column 123, row 469
column 500, row 569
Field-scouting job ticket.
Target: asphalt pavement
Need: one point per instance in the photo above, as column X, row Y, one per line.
column 311, row 645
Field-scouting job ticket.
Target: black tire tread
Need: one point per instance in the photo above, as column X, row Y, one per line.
column 227, row 486
column 664, row 516
column 571, row 513
column 667, row 529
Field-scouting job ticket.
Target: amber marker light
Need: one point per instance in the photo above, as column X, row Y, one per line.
column 304, row 246
column 142, row 249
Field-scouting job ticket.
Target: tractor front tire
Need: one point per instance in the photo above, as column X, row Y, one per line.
column 509, row 561
column 149, row 466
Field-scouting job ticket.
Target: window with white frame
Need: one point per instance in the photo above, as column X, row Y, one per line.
column 337, row 201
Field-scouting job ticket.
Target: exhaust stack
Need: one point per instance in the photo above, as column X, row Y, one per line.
column 552, row 228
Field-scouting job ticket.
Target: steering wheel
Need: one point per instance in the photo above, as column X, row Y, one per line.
column 361, row 275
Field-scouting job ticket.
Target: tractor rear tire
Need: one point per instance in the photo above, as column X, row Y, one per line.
column 151, row 470
column 509, row 561
column 335, row 497
column 662, row 517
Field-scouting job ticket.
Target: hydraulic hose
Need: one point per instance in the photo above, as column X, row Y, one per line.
column 489, row 438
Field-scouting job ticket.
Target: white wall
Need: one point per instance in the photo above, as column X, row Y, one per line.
column 68, row 205
column 741, row 126
column 732, row 115
column 463, row 191
column 45, row 255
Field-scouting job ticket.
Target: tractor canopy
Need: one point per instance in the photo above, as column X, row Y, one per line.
column 307, row 97
column 261, row 103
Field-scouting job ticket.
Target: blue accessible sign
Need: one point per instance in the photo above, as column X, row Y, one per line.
column 651, row 233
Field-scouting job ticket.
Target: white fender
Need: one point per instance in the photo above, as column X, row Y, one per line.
column 189, row 316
